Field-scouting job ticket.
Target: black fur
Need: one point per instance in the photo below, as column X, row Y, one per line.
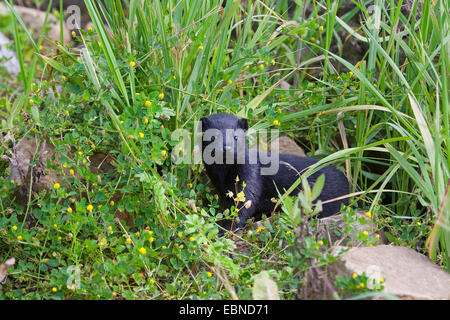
column 260, row 189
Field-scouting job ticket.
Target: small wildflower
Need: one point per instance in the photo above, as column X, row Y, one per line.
column 80, row 153
column 365, row 233
column 141, row 135
column 142, row 251
column 230, row 81
column 381, row 280
column 12, row 182
column 132, row 64
column 150, row 232
column 148, row 103
column 151, row 239
column 320, row 243
column 181, row 150
column 114, row 294
column 93, row 146
column 69, row 210
column 74, row 33
column 351, row 74
column 128, row 240
column 288, row 232
column 19, row 238
column 276, row 122
column 321, row 28
column 31, row 101
column 260, row 229
column 90, row 29
column 14, row 228
column 54, row 289
column 354, row 275
column 261, row 66
column 240, row 197
column 200, row 47
column 55, row 226
column 368, row 214
column 152, row 281
column 361, row 285
column 56, row 185
column 163, row 153
column 111, row 203
column 72, row 172
column 145, row 120
column 418, row 223
column 59, row 238
column 41, row 47
column 190, row 185
column 90, row 208
column 312, row 39
column 272, row 62
column 121, row 121
column 230, row 194
column 161, row 96
column 209, row 274
column 191, row 239
column 377, row 236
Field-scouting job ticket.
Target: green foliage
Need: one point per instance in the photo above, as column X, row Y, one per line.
column 153, row 67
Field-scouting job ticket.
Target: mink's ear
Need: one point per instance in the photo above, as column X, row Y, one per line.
column 243, row 124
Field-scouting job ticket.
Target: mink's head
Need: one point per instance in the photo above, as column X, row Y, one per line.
column 222, row 134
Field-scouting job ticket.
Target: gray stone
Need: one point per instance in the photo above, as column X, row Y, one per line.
column 407, row 273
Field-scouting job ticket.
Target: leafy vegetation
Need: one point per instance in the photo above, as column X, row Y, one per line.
column 145, row 228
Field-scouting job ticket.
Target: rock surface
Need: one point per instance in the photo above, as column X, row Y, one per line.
column 287, row 145
column 407, row 273
column 8, row 57
column 34, row 20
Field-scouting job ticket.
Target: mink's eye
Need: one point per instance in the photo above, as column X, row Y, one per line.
column 235, row 138
column 213, row 138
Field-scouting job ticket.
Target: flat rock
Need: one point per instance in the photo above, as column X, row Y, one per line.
column 407, row 273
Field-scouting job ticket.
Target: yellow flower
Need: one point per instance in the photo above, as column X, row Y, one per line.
column 272, row 62
column 114, row 294
column 368, row 214
column 111, row 203
column 163, row 153
column 145, row 120
column 288, row 232
column 148, row 103
column 142, row 251
column 190, row 185
column 41, row 47
column 230, row 81
column 90, row 208
column 54, row 289
column 151, row 239
column 200, row 47
column 418, row 223
column 109, row 228
column 74, row 33
column 209, row 274
column 80, row 153
column 191, row 239
column 161, row 96
column 260, row 229
column 354, row 275
column 19, row 238
column 377, row 236
column 361, row 284
column 69, row 210
column 381, row 280
column 12, row 182
column 365, row 233
column 152, row 281
column 56, row 185
column 321, row 28
column 72, row 172
column 93, row 146
column 90, row 29
column 141, row 135
column 121, row 121
column 55, row 226
column 320, row 243
column 312, row 39
column 276, row 122
column 261, row 66
column 181, row 150
column 351, row 74
column 132, row 64
column 128, row 240
column 31, row 101
column 59, row 238
column 14, row 228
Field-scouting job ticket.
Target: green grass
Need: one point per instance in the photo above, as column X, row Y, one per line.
column 205, row 58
